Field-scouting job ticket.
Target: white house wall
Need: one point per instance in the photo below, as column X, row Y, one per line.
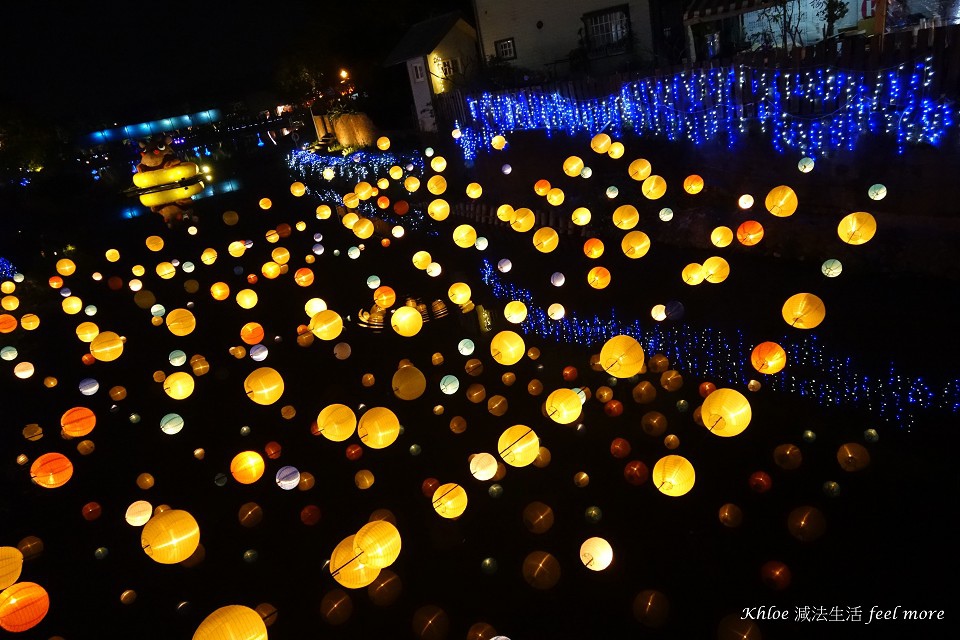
column 422, row 96
column 539, row 47
column 459, row 44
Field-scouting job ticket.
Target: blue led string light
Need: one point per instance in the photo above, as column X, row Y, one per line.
column 7, row 270
column 812, row 111
column 725, row 356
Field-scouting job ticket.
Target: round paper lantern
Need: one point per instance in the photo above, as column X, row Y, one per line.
column 806, row 524
column 768, row 357
column 546, row 239
column 406, row 321
column 519, row 446
column 51, row 470
column 616, row 150
column 233, row 622
column 853, row 456
column 654, row 187
column 541, row 570
column 593, row 248
column 831, row 268
column 459, row 293
column 181, row 322
column 246, row 298
column 378, row 428
column 805, row 165
column 639, row 169
column 23, row 606
column 721, row 237
column 781, row 201
column 264, row 385
column 507, row 348
column 107, row 346
column 651, row 608
column 749, row 233
column 11, row 563
column 601, row 143
column 524, row 220
column 563, row 406
column 626, row 217
column 572, row 166
column 326, row 324
column 515, row 312
column 483, row 466
column 408, row 383
column 580, row 216
column 635, row 244
column 170, row 537
column 474, row 190
column 726, row 412
column 555, row 196
column 693, row 184
column 336, row 422
column 377, row 544
column 596, row 554
column 857, row 228
column 804, row 311
column 673, row 475
column 877, row 192
column 622, row 356
column 450, row 500
column 598, row 277
column 464, row 236
column 715, row 269
column 138, row 513
column 78, row 421
column 247, row 467
column 558, row 279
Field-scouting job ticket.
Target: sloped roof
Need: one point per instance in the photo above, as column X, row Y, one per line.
column 422, row 38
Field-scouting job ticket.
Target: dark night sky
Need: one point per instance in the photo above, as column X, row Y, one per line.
column 105, row 60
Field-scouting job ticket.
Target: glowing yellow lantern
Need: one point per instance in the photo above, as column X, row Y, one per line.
column 693, row 184
column 464, row 236
column 519, row 446
column 804, row 311
column 10, row 303
column 600, row 143
column 673, row 475
column 323, row 212
column 112, row 255
column 474, row 190
column 377, row 544
column 385, row 297
column 378, row 428
column 51, row 470
column 593, row 248
column 781, row 201
column 383, row 143
column 87, row 331
column 411, row 184
column 298, row 189
column 498, row 142
column 654, row 187
column 580, row 216
column 78, row 422
column 524, row 220
column 107, row 346
column 616, row 150
column 749, row 233
column 326, row 324
column 406, row 321
column 72, row 305
column 421, row 260
column 572, row 166
column 546, row 239
column 11, row 563
column 264, row 385
column 459, row 293
column 715, row 269
column 515, row 312
column 363, row 229
column 208, row 256
column 346, row 568
column 436, row 185
column 857, row 228
column 247, row 467
column 247, row 298
column 154, row 243
column 598, row 277
column 450, row 500
column 181, row 322
column 726, row 412
column 233, row 622
column 721, row 237
column 541, row 187
column 635, row 244
column 66, row 267
column 336, row 422
column 596, row 554
column 170, row 537
column 768, row 357
column 555, row 196
column 408, row 383
column 438, row 163
column 563, row 406
column 22, row 606
column 506, row 213
column 507, row 348
column 303, row 277
column 219, row 291
column 639, row 169
column 438, row 209
column 178, row 385
column 626, row 217
column 349, row 220
column 622, row 356
column 265, row 203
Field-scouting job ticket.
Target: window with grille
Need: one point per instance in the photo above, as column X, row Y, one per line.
column 608, row 31
column 418, row 73
column 449, row 67
column 506, row 49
